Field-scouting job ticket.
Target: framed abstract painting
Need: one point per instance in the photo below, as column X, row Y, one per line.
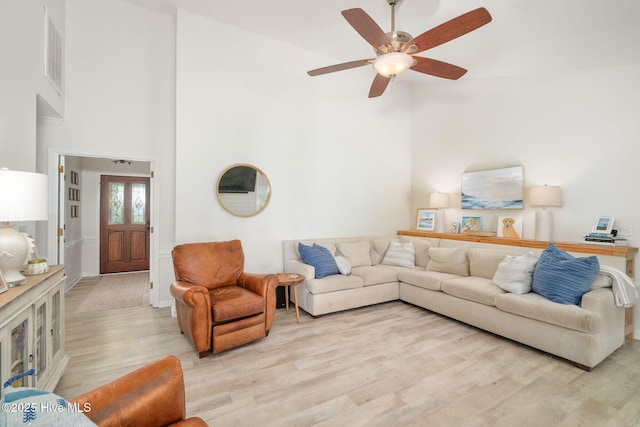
column 493, row 189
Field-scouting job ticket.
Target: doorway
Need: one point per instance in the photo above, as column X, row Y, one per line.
column 124, row 224
column 76, row 241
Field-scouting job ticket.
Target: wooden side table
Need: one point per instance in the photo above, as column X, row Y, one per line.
column 290, row 280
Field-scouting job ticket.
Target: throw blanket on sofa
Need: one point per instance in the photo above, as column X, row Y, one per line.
column 624, row 289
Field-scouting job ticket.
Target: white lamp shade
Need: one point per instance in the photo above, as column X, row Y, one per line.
column 439, row 200
column 23, row 196
column 545, row 195
column 393, row 64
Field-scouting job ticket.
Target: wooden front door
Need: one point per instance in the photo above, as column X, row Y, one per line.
column 124, row 224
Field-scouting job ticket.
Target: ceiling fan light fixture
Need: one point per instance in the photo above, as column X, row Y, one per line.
column 393, row 64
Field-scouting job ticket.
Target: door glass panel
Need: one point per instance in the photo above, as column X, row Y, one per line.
column 55, row 323
column 41, row 339
column 19, row 361
column 138, row 198
column 116, row 203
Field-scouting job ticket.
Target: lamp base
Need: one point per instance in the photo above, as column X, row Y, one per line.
column 543, row 225
column 439, row 221
column 14, row 251
column 14, row 278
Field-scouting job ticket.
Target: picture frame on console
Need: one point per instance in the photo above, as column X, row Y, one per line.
column 510, row 227
column 471, row 223
column 426, row 220
column 603, row 225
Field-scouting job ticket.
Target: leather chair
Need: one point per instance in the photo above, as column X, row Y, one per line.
column 152, row 395
column 219, row 306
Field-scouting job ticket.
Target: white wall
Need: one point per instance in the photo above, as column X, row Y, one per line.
column 120, row 98
column 22, row 78
column 337, row 161
column 578, row 130
column 73, row 233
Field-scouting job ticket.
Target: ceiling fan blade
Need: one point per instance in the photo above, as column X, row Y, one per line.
column 339, row 67
column 438, row 68
column 378, row 86
column 366, row 27
column 450, row 30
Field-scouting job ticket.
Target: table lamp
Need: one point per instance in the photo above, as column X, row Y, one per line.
column 23, row 197
column 439, row 201
column 545, row 196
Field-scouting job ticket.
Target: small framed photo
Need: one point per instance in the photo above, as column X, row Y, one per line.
column 603, row 225
column 471, row 223
column 426, row 220
column 510, row 227
column 3, row 283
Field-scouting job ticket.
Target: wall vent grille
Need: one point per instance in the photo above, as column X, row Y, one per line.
column 52, row 53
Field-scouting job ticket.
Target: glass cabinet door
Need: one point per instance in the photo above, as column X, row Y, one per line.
column 56, row 323
column 20, row 351
column 41, row 338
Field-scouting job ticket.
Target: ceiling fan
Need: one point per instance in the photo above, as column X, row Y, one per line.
column 395, row 49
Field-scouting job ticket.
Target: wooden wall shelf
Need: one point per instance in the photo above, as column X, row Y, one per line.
column 627, row 252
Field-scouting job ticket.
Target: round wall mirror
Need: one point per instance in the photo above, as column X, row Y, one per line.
column 243, row 190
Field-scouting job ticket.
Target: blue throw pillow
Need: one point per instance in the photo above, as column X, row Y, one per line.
column 563, row 278
column 320, row 258
column 25, row 406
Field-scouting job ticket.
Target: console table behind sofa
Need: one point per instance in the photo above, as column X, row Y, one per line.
column 625, row 254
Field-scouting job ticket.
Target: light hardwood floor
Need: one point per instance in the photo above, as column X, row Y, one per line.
column 387, row 365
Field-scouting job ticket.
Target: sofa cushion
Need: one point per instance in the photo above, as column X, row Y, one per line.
column 378, row 250
column 449, row 260
column 421, row 248
column 473, row 288
column 320, row 258
column 515, row 273
column 343, row 265
column 537, row 307
column 484, row 262
column 357, row 253
column 563, row 278
column 234, row 302
column 401, row 254
column 431, row 280
column 601, row 281
column 375, row 275
column 334, row 283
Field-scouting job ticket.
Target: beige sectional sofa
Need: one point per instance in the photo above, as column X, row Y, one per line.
column 585, row 334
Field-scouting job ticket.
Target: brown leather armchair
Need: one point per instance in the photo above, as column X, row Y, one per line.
column 152, row 395
column 218, row 305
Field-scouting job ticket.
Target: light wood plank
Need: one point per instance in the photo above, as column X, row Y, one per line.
column 389, row 364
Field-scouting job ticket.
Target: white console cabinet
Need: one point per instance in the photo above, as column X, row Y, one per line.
column 32, row 330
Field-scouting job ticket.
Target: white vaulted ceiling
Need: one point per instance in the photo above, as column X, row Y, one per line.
column 525, row 37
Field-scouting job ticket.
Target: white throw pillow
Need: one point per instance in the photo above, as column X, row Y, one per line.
column 343, row 266
column 515, row 273
column 401, row 254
